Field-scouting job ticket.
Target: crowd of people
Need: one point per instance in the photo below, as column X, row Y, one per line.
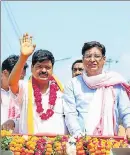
column 94, row 102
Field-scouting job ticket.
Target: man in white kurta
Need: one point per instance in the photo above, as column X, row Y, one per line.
column 8, row 108
column 42, row 92
column 54, row 125
column 4, row 105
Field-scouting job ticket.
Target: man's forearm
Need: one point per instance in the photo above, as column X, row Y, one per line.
column 72, row 124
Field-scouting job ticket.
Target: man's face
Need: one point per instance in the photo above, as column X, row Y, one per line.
column 93, row 61
column 42, row 71
column 77, row 69
column 4, row 78
column 23, row 74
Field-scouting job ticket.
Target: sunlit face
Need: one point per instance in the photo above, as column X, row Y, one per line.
column 4, row 78
column 42, row 71
column 23, row 74
column 77, row 69
column 93, row 61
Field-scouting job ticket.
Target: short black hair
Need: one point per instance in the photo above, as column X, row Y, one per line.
column 25, row 66
column 9, row 63
column 89, row 45
column 41, row 55
column 77, row 61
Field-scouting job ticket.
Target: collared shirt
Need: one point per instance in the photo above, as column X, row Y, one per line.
column 77, row 98
column 54, row 125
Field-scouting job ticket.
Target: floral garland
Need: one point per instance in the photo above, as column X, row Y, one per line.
column 59, row 145
column 38, row 98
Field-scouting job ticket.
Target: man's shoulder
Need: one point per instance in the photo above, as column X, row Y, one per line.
column 76, row 80
column 59, row 93
column 119, row 89
column 75, row 83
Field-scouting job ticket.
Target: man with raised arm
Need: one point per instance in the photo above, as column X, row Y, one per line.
column 39, row 98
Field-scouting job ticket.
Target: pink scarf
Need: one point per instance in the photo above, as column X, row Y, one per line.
column 14, row 111
column 103, row 82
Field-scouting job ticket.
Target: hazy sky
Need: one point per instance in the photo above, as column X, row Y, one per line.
column 63, row 27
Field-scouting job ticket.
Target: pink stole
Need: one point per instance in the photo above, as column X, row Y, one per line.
column 103, row 82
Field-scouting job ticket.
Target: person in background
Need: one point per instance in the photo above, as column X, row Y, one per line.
column 77, row 68
column 8, row 108
column 95, row 101
column 23, row 74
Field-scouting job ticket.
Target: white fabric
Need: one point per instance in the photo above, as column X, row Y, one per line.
column 16, row 121
column 71, row 146
column 104, row 79
column 94, row 113
column 4, row 105
column 6, row 101
column 54, row 125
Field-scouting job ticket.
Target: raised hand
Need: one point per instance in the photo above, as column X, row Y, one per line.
column 27, row 47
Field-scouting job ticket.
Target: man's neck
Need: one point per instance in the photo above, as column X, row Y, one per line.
column 5, row 88
column 94, row 73
column 43, row 86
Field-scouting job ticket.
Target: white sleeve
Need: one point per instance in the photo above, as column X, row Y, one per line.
column 18, row 98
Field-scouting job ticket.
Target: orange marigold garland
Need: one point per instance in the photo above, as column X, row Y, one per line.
column 33, row 145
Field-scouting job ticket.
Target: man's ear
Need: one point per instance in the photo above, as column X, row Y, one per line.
column 32, row 67
column 5, row 72
column 104, row 58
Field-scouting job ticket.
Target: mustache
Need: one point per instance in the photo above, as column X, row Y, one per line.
column 43, row 73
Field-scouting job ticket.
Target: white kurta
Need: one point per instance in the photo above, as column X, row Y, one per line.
column 54, row 125
column 4, row 105
column 94, row 113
